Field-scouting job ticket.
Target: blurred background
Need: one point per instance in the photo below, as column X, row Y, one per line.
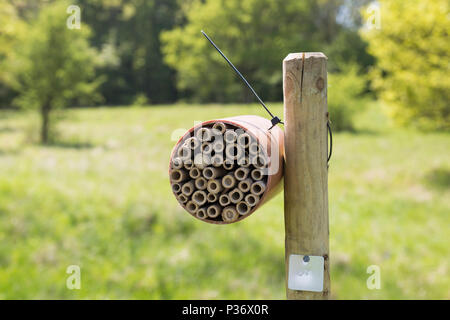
column 94, row 92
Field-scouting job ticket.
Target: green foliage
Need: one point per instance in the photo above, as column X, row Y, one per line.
column 140, row 100
column 345, row 97
column 412, row 50
column 128, row 31
column 348, row 48
column 439, row 178
column 107, row 206
column 255, row 34
column 54, row 66
column 11, row 28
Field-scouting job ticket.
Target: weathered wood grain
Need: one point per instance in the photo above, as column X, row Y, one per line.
column 306, row 173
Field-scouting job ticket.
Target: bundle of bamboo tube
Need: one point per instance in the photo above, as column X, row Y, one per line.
column 220, row 171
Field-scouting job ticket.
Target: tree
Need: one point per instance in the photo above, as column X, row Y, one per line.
column 255, row 34
column 130, row 29
column 412, row 52
column 54, row 65
column 11, row 29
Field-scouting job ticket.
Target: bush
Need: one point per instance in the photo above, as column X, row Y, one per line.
column 140, row 100
column 345, row 97
column 411, row 73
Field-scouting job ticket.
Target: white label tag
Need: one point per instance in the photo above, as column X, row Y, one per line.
column 306, row 273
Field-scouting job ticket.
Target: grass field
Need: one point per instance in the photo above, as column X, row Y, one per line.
column 100, row 198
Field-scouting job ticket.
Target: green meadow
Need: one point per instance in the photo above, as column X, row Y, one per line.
column 99, row 197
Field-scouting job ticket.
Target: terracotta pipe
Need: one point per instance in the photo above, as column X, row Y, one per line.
column 271, row 145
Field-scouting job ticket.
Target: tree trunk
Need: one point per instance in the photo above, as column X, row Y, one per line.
column 45, row 125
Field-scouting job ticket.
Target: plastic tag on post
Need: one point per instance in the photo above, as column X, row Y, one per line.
column 306, row 273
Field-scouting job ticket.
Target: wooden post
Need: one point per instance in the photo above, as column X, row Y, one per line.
column 306, row 173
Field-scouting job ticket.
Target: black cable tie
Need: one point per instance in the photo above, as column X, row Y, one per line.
column 275, row 120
